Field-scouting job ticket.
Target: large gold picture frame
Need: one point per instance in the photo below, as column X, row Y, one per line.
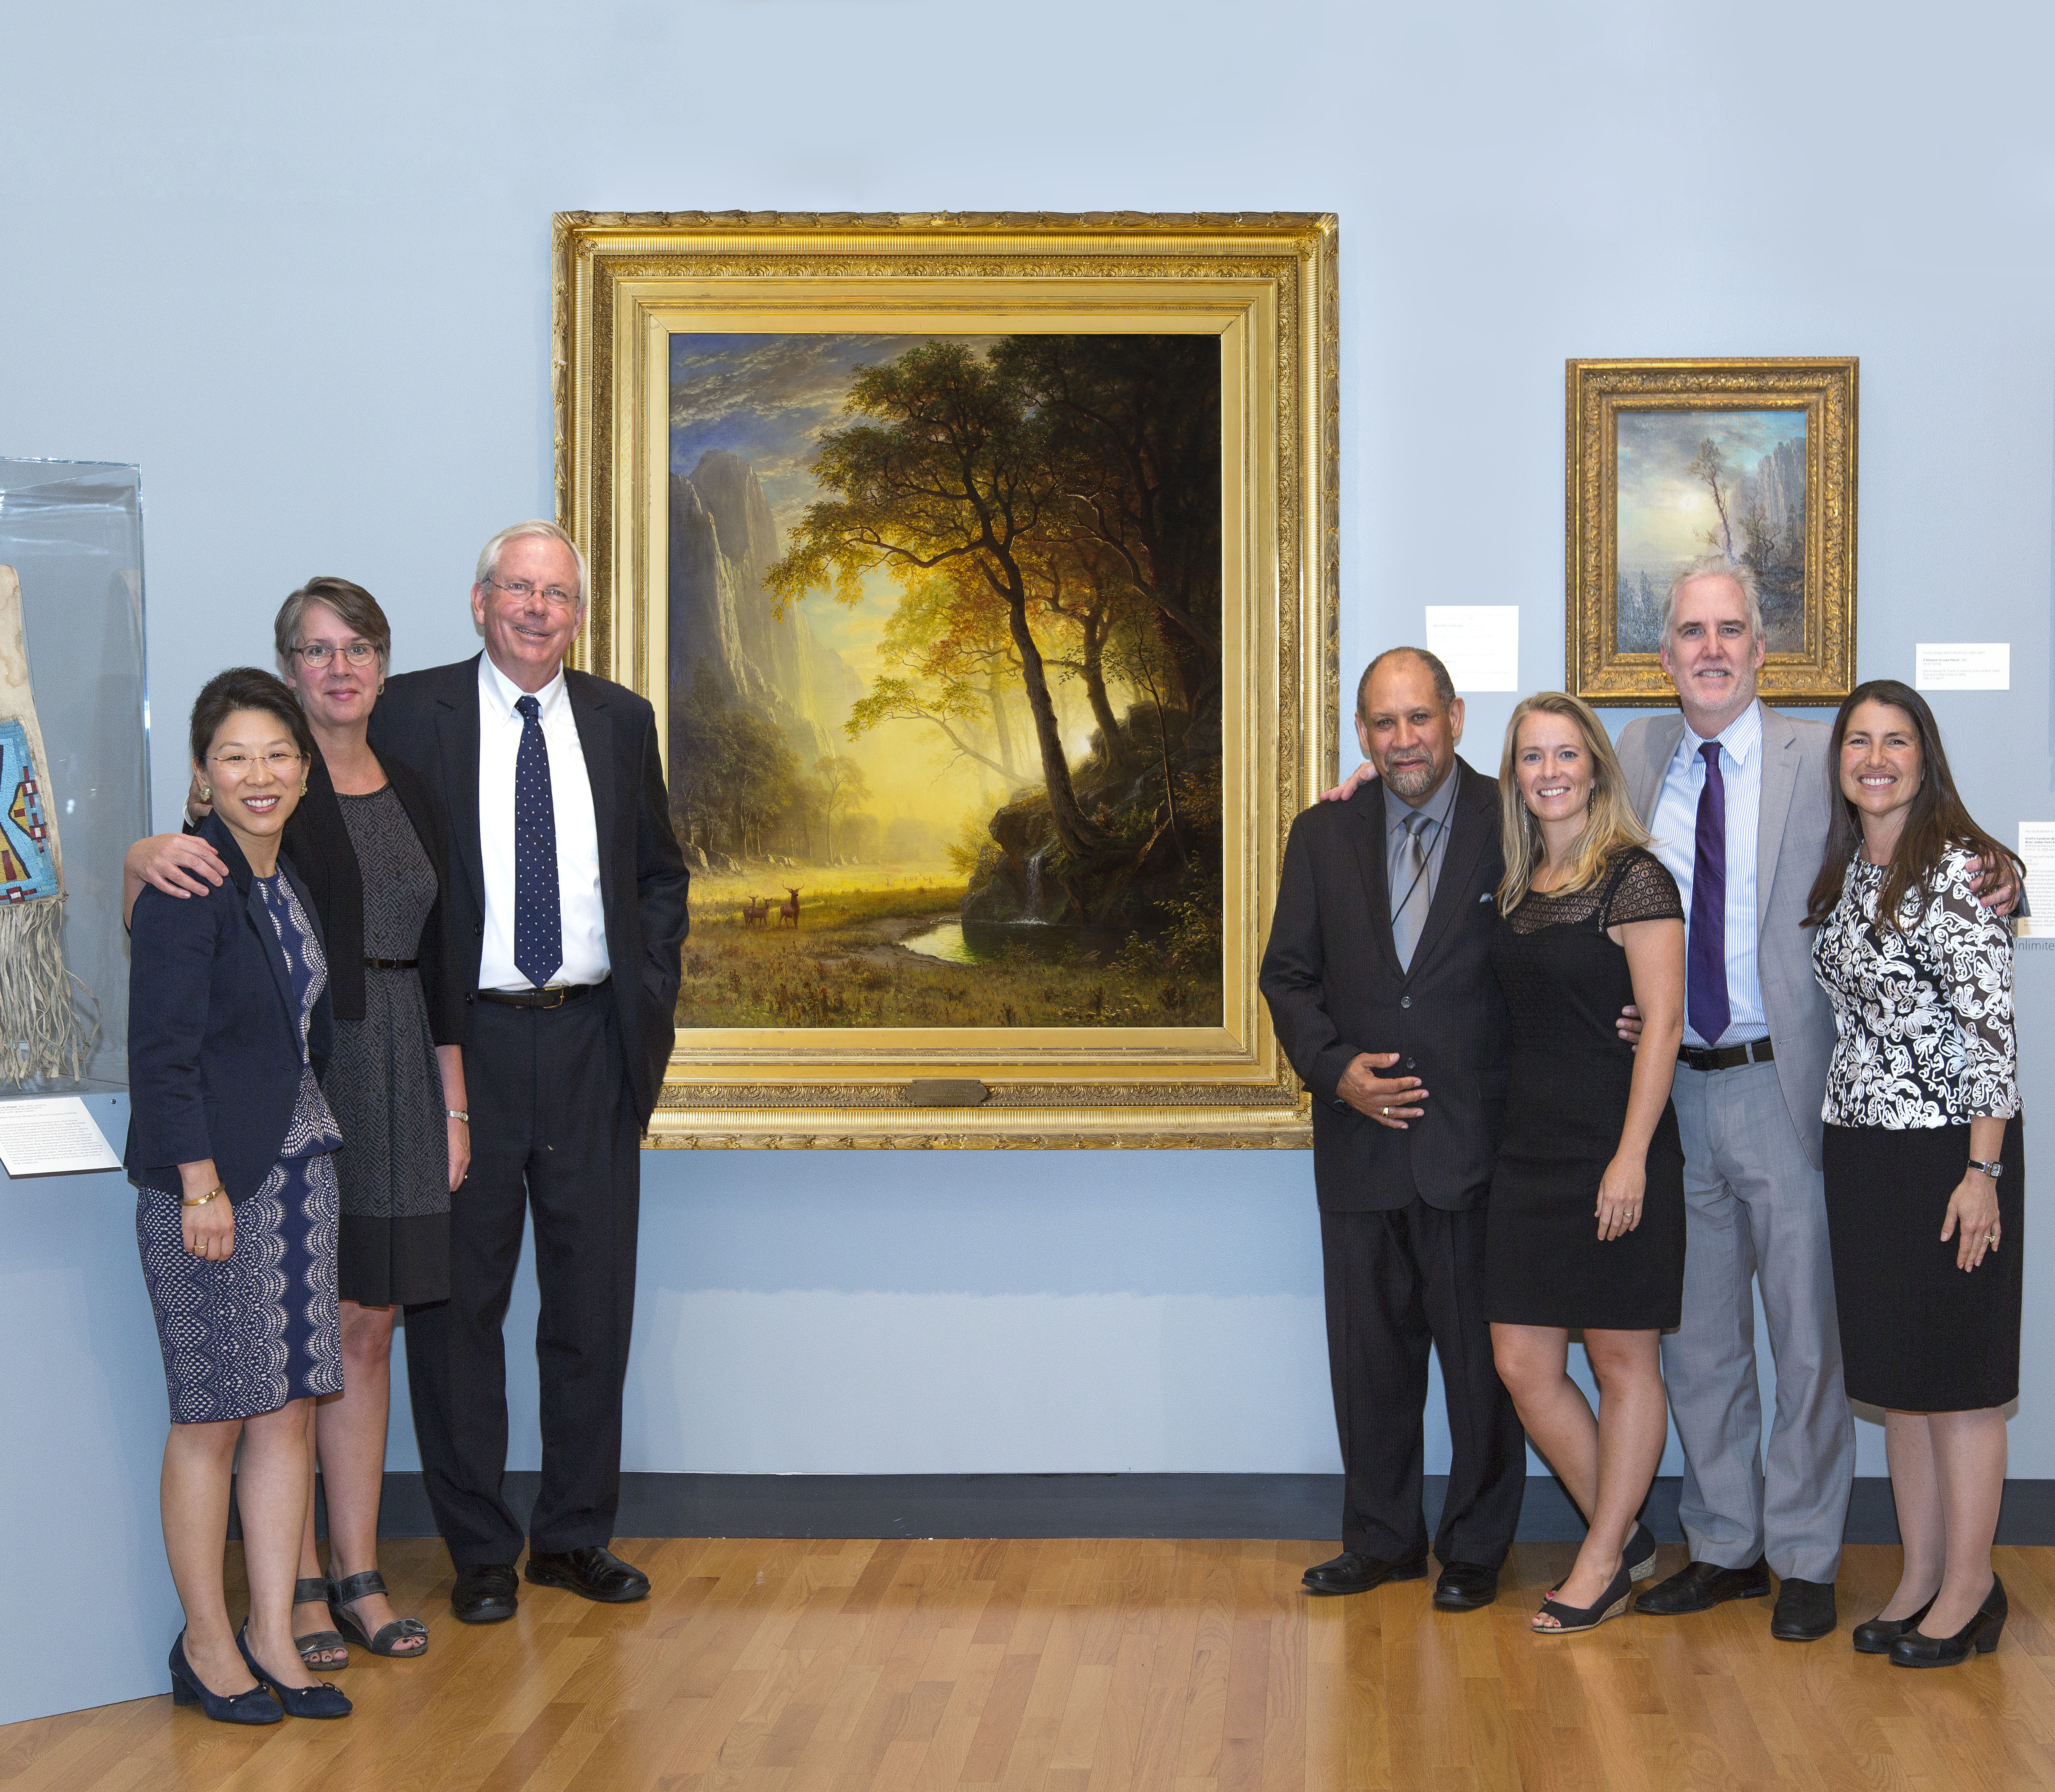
column 627, row 285
column 1669, row 460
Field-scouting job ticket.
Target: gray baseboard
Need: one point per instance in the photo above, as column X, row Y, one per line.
column 1305, row 1506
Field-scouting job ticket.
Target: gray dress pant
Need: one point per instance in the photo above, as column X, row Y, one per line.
column 1756, row 1208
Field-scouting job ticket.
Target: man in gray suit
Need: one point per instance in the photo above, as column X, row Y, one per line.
column 1737, row 797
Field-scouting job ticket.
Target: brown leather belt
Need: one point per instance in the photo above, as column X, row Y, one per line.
column 391, row 964
column 1724, row 1057
column 554, row 996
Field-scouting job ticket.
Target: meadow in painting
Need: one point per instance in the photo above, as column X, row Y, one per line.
column 1700, row 482
column 944, row 679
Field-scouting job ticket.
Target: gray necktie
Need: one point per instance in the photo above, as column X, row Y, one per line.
column 1413, row 894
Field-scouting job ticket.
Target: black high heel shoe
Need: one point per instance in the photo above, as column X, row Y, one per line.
column 256, row 1706
column 1568, row 1618
column 1640, row 1556
column 1916, row 1649
column 323, row 1700
column 1876, row 1636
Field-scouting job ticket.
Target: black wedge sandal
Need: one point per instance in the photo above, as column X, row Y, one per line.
column 314, row 1591
column 1571, row 1618
column 341, row 1593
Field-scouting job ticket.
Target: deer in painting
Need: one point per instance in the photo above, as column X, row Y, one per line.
column 789, row 909
column 757, row 912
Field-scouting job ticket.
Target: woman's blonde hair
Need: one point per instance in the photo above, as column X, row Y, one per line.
column 1610, row 827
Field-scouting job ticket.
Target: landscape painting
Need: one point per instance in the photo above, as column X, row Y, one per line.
column 1701, row 482
column 944, row 665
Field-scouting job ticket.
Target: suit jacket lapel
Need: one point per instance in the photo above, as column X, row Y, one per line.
column 589, row 707
column 1780, row 759
column 1367, row 838
column 456, row 739
column 1645, row 778
column 215, row 831
column 1470, row 828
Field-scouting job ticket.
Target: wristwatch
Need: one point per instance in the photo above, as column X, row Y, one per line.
column 1994, row 1170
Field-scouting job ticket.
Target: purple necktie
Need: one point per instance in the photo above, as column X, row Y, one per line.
column 1706, row 1000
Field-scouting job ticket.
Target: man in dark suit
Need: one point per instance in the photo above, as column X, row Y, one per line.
column 568, row 894
column 1377, row 979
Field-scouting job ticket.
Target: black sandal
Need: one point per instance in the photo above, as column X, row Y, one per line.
column 341, row 1593
column 1569, row 1618
column 314, row 1591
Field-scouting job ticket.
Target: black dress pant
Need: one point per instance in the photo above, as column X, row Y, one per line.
column 1399, row 1281
column 552, row 1128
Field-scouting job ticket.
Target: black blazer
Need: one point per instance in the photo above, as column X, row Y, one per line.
column 317, row 840
column 1331, row 977
column 214, row 1039
column 429, row 721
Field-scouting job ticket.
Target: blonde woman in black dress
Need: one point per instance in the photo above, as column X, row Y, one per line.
column 1923, row 1160
column 1587, row 1221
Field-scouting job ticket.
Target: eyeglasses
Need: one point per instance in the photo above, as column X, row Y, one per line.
column 520, row 590
column 241, row 765
column 317, row 653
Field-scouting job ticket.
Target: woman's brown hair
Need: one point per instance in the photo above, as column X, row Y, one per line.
column 1938, row 820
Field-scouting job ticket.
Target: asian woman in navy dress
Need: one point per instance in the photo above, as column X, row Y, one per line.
column 229, row 1148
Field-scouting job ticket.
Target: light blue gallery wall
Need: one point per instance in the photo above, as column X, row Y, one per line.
column 294, row 263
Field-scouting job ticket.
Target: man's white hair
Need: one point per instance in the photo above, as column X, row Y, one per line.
column 1716, row 565
column 488, row 556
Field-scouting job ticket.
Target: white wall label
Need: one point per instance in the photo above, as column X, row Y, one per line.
column 50, row 1135
column 2036, row 846
column 1962, row 665
column 1478, row 643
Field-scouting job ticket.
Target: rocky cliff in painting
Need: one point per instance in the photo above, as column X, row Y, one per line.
column 722, row 537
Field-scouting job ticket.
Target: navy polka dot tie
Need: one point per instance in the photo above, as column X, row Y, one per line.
column 538, row 920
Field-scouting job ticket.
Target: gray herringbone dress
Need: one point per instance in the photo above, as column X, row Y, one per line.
column 382, row 1083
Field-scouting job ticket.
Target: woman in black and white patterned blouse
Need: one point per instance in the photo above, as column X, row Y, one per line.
column 1922, row 1160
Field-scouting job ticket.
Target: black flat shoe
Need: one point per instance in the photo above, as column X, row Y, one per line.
column 593, row 1571
column 256, row 1706
column 323, row 1700
column 1640, row 1556
column 1805, row 1611
column 1465, row 1586
column 343, row 1593
column 1875, row 1635
column 1698, row 1586
column 1571, row 1618
column 486, row 1595
column 312, row 1592
column 1916, row 1649
column 1354, row 1572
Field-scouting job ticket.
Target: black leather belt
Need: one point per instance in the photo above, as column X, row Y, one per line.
column 391, row 964
column 554, row 996
column 1724, row 1057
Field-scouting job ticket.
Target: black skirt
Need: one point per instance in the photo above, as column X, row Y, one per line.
column 1918, row 1334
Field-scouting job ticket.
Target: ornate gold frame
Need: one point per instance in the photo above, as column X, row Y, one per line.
column 1824, row 388
column 1266, row 285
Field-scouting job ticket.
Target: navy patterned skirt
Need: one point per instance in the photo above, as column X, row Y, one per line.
column 244, row 1337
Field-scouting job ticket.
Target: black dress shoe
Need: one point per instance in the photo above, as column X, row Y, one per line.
column 1465, row 1586
column 1805, row 1611
column 594, row 1572
column 1916, row 1649
column 1876, row 1635
column 486, row 1595
column 1698, row 1586
column 256, row 1706
column 1353, row 1572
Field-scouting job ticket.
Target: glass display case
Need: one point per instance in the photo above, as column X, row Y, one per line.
column 72, row 532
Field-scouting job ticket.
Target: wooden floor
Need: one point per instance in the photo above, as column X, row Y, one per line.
column 796, row 1667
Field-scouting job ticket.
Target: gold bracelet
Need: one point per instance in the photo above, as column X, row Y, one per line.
column 458, row 1114
column 187, row 1201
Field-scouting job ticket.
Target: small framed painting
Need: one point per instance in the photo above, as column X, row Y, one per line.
column 1670, row 462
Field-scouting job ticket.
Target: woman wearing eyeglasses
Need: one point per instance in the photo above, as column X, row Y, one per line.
column 371, row 842
column 229, row 1148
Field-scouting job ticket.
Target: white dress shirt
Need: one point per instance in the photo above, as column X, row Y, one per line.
column 1676, row 828
column 500, row 725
